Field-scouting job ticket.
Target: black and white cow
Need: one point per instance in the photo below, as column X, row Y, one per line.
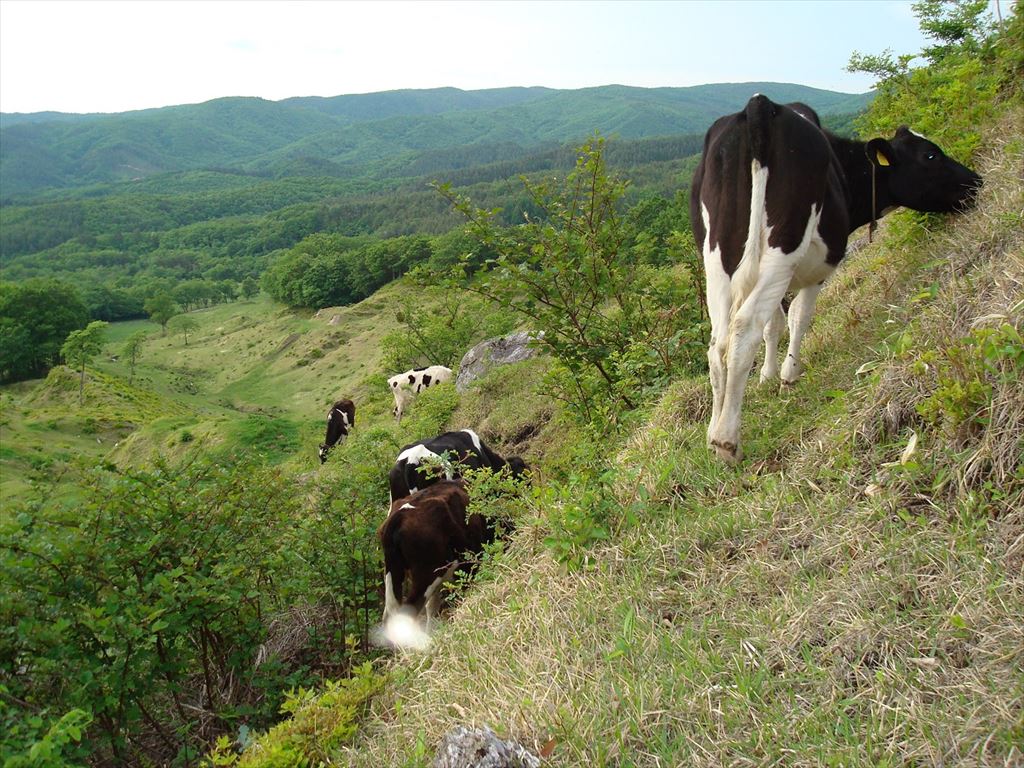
column 453, row 451
column 405, row 386
column 340, row 420
column 773, row 202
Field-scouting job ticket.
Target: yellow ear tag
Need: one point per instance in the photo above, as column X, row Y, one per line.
column 882, row 159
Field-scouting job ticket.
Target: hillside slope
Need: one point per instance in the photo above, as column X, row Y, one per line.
column 852, row 594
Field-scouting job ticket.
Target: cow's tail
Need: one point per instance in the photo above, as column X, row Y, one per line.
column 759, row 113
column 400, row 628
column 394, row 562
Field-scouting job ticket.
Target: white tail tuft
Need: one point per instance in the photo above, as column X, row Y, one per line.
column 402, row 631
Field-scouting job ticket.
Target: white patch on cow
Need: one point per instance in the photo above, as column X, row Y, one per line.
column 432, row 597
column 416, row 454
column 813, row 268
column 476, row 440
column 918, row 134
column 407, row 506
column 772, row 332
column 390, row 602
column 747, row 272
column 800, row 313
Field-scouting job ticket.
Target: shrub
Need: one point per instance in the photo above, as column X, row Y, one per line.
column 174, row 604
column 580, row 278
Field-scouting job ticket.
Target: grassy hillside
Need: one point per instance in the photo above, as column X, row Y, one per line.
column 254, row 377
column 852, row 594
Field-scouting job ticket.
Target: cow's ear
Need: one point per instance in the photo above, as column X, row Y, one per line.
column 879, row 152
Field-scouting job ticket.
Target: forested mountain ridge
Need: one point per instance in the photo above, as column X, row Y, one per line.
column 219, row 191
column 354, row 134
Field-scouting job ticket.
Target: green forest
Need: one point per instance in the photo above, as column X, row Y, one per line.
column 311, row 237
column 186, row 585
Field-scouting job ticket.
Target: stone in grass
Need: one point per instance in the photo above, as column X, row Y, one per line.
column 466, row 747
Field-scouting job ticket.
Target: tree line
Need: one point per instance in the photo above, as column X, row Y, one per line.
column 37, row 317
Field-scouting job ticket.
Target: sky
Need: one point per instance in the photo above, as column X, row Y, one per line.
column 120, row 55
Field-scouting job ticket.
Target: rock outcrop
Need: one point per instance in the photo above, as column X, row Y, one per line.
column 503, row 350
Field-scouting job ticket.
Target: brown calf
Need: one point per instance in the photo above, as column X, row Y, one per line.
column 425, row 537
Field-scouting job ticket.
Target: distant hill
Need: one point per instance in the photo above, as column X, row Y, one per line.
column 369, row 136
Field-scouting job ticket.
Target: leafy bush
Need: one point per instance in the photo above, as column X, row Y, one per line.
column 175, row 604
column 966, row 374
column 26, row 745
column 580, row 275
column 320, row 722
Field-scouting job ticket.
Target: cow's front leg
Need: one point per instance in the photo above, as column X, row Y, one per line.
column 772, row 332
column 800, row 313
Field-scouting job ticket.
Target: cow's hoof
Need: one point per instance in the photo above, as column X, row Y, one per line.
column 730, row 453
column 787, row 385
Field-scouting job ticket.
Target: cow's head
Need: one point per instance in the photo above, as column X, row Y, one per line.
column 919, row 175
column 325, row 448
column 516, row 466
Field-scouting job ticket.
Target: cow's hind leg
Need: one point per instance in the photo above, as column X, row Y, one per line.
column 433, row 595
column 719, row 296
column 393, row 592
column 772, row 332
column 800, row 313
column 745, row 332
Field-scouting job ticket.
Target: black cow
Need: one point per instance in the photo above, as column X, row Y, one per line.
column 453, row 450
column 340, row 420
column 773, row 202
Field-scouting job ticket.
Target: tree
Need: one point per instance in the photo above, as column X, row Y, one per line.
column 81, row 347
column 132, row 349
column 954, row 94
column 618, row 327
column 249, row 287
column 35, row 318
column 183, row 324
column 958, row 27
column 161, row 308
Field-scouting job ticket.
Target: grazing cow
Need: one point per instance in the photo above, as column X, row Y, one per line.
column 407, row 385
column 425, row 537
column 452, row 450
column 340, row 420
column 773, row 202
